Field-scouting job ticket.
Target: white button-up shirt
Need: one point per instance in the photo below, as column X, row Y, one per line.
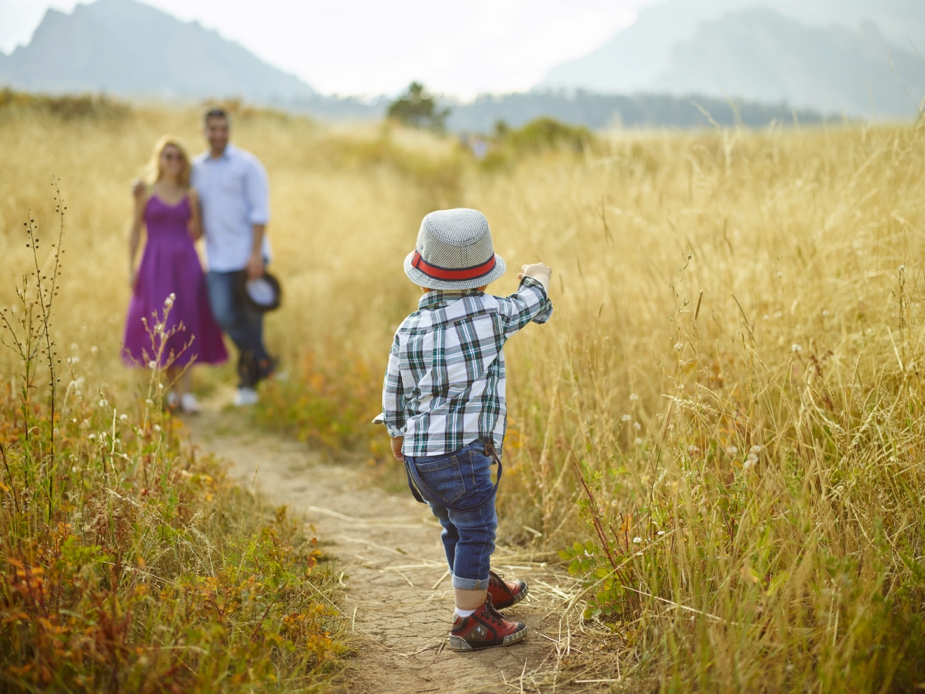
column 235, row 195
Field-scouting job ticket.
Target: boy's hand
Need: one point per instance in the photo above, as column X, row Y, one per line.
column 537, row 271
column 396, row 448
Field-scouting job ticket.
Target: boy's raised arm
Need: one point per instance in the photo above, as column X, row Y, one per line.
column 531, row 300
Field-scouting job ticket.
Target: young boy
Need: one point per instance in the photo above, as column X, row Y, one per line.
column 443, row 404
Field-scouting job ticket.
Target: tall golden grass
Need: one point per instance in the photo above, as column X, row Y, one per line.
column 733, row 367
column 127, row 562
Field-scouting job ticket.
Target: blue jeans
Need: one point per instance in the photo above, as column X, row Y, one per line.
column 459, row 490
column 243, row 324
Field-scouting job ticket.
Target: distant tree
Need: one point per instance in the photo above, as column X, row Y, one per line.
column 501, row 128
column 418, row 108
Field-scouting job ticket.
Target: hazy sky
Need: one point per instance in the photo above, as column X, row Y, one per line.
column 457, row 47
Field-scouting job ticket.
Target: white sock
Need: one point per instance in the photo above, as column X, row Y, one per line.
column 463, row 613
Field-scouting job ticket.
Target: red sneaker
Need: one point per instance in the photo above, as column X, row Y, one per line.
column 505, row 594
column 484, row 628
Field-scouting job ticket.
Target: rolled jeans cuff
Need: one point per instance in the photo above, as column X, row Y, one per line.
column 470, row 583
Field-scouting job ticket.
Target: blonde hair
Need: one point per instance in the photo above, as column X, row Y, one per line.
column 154, row 172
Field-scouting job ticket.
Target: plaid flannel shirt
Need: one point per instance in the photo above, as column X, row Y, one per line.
column 444, row 385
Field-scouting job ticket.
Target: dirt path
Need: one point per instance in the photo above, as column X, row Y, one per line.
column 398, row 595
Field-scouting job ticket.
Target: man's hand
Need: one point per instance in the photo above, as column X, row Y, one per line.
column 255, row 266
column 138, row 187
column 396, row 448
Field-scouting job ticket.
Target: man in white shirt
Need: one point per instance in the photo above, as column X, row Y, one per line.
column 234, row 194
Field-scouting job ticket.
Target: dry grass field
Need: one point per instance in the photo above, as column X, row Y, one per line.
column 721, row 428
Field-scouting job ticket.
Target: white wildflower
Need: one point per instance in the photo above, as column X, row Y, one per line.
column 168, row 302
column 795, row 348
column 634, row 397
column 638, row 442
column 104, row 402
column 92, row 437
column 825, row 313
column 94, row 349
column 732, row 450
column 157, row 427
column 152, row 365
column 123, row 417
column 625, row 418
column 660, row 532
column 637, row 540
column 679, row 346
column 637, row 426
column 756, row 449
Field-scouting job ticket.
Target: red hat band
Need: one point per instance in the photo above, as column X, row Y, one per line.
column 468, row 273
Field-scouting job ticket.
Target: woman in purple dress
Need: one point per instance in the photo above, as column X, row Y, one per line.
column 168, row 288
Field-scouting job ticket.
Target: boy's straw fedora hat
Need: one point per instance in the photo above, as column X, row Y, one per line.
column 454, row 251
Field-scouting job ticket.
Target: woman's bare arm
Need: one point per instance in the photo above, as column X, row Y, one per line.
column 195, row 222
column 141, row 198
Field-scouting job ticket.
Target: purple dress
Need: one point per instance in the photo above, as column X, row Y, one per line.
column 169, row 265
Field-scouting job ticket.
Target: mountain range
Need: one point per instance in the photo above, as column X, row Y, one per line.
column 855, row 58
column 127, row 48
column 829, row 55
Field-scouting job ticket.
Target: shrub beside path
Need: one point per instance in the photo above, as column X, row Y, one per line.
column 397, row 596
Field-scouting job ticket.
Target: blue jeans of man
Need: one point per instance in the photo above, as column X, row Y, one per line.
column 242, row 323
column 459, row 490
